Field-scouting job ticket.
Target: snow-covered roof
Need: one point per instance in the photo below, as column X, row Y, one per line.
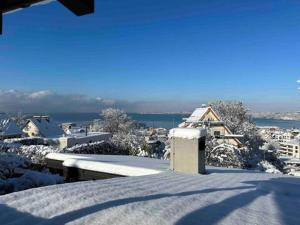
column 187, row 133
column 114, row 164
column 46, row 127
column 224, row 196
column 9, row 127
column 197, row 115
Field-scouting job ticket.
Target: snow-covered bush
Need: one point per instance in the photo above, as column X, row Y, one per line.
column 270, row 146
column 35, row 153
column 9, row 162
column 29, row 179
column 17, row 163
column 26, row 141
column 167, row 152
column 128, row 142
column 268, row 167
column 225, row 155
column 33, row 141
column 103, row 148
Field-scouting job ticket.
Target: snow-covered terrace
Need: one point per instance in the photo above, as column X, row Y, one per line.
column 225, row 196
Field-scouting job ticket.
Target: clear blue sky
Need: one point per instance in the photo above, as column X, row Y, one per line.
column 158, row 50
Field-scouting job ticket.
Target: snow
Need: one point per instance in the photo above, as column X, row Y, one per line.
column 197, row 115
column 224, row 196
column 36, row 153
column 89, row 134
column 290, row 188
column 290, row 160
column 188, row 133
column 268, row 167
column 109, row 168
column 114, row 164
column 30, row 179
column 9, row 127
column 9, row 163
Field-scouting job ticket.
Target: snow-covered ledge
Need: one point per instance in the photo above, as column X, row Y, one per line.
column 187, row 133
column 188, row 150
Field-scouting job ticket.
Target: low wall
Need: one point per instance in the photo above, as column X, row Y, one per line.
column 67, row 142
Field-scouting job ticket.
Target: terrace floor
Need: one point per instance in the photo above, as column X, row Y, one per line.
column 224, row 196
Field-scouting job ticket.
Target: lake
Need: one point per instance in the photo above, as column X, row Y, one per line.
column 160, row 120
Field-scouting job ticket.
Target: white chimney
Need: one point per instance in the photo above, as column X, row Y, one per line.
column 188, row 150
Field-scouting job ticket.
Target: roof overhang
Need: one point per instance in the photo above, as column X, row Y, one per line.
column 78, row 7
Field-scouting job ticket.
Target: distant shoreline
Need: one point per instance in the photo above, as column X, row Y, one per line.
column 163, row 120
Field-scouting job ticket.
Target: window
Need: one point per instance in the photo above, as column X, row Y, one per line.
column 217, row 133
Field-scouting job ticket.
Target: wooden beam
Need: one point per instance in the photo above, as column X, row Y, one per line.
column 1, row 16
column 1, row 21
column 79, row 7
column 10, row 5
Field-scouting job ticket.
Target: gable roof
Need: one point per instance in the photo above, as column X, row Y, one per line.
column 200, row 113
column 46, row 127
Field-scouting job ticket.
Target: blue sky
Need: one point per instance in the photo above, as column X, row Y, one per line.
column 169, row 51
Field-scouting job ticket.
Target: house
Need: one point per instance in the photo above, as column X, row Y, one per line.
column 8, row 128
column 290, row 148
column 283, row 136
column 42, row 126
column 206, row 117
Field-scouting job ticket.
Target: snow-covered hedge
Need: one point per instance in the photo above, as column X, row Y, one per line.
column 32, row 141
column 35, row 153
column 106, row 148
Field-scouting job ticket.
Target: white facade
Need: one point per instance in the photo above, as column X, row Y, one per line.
column 290, row 148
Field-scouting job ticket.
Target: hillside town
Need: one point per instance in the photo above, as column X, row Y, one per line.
column 234, row 145
column 149, row 112
column 277, row 115
column 42, row 152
